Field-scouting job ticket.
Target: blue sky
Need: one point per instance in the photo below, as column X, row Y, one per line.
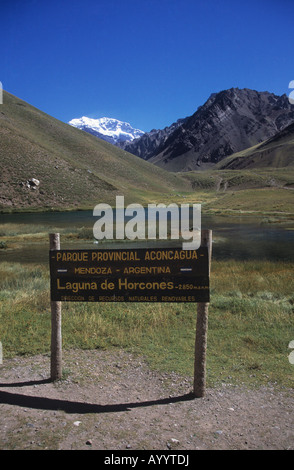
column 146, row 62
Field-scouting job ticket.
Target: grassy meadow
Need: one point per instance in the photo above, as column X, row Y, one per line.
column 267, row 192
column 251, row 323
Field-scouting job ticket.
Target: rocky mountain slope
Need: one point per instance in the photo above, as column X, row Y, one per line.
column 230, row 121
column 275, row 152
column 147, row 145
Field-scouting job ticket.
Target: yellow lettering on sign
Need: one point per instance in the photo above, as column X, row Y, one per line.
column 128, row 285
column 115, row 256
column 93, row 270
column 170, row 255
column 71, row 256
column 143, row 298
column 147, row 270
column 76, row 286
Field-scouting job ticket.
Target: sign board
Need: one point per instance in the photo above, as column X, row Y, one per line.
column 130, row 275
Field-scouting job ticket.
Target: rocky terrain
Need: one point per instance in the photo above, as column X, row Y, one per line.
column 148, row 144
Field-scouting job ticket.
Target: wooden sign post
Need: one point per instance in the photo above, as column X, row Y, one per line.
column 201, row 330
column 56, row 337
column 132, row 275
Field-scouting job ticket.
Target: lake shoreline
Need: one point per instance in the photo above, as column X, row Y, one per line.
column 269, row 217
column 24, row 235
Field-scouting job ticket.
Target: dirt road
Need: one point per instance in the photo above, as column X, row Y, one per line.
column 112, row 400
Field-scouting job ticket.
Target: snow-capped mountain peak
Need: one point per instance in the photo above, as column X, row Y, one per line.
column 109, row 129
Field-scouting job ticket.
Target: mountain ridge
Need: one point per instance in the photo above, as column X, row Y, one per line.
column 228, row 122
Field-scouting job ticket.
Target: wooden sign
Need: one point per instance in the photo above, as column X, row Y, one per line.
column 130, row 275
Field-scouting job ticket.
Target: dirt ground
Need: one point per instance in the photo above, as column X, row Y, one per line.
column 111, row 400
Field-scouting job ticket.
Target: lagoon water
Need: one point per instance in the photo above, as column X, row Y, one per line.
column 233, row 237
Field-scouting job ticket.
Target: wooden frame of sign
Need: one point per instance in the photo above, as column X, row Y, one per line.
column 132, row 275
